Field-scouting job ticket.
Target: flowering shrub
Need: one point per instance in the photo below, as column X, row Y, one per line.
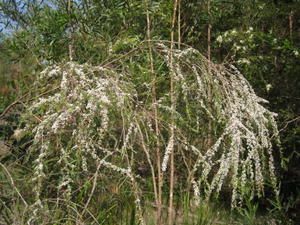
column 96, row 120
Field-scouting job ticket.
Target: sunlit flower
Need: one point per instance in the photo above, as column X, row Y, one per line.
column 268, row 87
column 219, row 39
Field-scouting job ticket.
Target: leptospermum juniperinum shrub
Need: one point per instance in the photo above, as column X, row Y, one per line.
column 96, row 121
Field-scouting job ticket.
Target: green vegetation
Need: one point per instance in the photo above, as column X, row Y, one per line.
column 147, row 112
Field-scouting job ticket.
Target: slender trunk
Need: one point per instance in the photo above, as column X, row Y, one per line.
column 172, row 128
column 158, row 189
column 70, row 30
column 148, row 156
column 136, row 193
column 209, row 33
column 291, row 23
column 209, row 138
column 179, row 23
column 158, row 163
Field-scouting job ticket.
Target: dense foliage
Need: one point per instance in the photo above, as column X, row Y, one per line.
column 117, row 97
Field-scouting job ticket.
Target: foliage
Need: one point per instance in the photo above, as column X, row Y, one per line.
column 259, row 37
column 97, row 121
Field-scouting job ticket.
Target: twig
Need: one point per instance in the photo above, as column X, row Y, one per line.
column 159, row 184
column 54, row 200
column 140, row 45
column 288, row 122
column 94, row 186
column 93, row 190
column 18, row 101
column 173, row 107
column 13, row 184
column 149, row 162
column 44, row 93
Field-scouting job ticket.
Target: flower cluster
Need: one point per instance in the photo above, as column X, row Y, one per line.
column 74, row 124
column 241, row 41
column 238, row 150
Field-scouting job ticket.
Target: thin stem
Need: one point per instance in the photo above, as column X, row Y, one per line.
column 93, row 188
column 70, row 31
column 209, row 94
column 209, row 32
column 291, row 23
column 146, row 150
column 179, row 24
column 172, row 127
column 158, row 190
column 110, row 61
column 13, row 184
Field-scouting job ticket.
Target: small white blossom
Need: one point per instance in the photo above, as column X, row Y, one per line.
column 296, row 53
column 268, row 87
column 233, row 32
column 18, row 134
column 244, row 61
column 238, row 47
column 219, row 39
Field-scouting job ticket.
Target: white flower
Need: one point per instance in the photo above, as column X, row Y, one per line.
column 104, row 99
column 244, row 61
column 268, row 87
column 296, row 53
column 18, row 134
column 219, row 39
